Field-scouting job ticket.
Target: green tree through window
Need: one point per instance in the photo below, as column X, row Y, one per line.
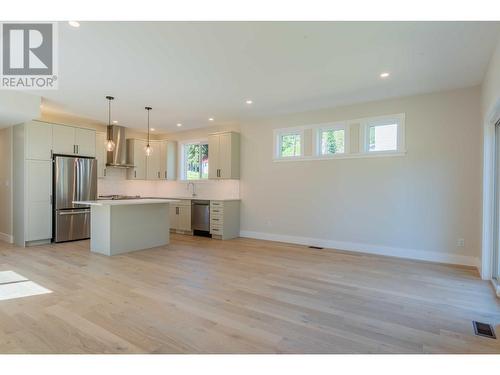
column 332, row 141
column 290, row 145
column 196, row 161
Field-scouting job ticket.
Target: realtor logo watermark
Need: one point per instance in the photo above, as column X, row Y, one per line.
column 29, row 56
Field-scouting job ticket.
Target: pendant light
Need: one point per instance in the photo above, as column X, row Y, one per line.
column 110, row 145
column 148, row 149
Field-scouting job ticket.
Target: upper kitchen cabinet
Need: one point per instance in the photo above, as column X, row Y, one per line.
column 63, row 140
column 38, row 140
column 153, row 162
column 101, row 154
column 136, row 156
column 224, row 155
column 85, row 142
column 68, row 140
column 168, row 160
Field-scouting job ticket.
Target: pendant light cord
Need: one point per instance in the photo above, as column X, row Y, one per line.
column 148, row 109
column 110, row 98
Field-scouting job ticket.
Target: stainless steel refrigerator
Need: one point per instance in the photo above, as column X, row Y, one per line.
column 75, row 179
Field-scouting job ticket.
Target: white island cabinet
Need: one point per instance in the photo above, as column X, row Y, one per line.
column 122, row 226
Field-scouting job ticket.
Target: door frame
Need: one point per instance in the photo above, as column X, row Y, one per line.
column 488, row 227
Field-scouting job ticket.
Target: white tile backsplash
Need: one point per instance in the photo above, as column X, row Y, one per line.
column 116, row 182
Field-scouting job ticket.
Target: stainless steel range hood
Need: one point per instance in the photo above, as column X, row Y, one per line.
column 118, row 157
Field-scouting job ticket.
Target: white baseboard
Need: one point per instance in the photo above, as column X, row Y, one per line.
column 368, row 248
column 6, row 237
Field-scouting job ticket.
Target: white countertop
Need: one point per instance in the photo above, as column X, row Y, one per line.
column 120, row 202
column 200, row 198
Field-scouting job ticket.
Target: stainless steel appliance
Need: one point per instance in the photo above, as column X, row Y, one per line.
column 75, row 179
column 118, row 157
column 200, row 216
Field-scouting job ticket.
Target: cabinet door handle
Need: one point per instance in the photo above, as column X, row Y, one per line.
column 158, row 174
column 135, row 174
column 77, row 150
column 177, row 210
column 74, row 149
column 165, row 175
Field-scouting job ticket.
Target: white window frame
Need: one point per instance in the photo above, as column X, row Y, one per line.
column 347, row 126
column 318, row 129
column 278, row 134
column 182, row 158
column 364, row 134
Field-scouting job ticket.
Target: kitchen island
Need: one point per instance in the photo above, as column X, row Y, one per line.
column 122, row 226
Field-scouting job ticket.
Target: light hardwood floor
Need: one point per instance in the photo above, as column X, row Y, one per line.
column 241, row 296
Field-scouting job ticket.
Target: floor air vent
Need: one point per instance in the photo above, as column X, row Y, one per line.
column 484, row 329
column 315, row 247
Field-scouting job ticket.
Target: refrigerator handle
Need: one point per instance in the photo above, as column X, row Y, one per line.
column 77, row 178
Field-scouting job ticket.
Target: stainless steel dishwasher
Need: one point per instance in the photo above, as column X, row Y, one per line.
column 200, row 217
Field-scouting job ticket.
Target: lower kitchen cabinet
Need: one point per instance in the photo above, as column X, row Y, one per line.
column 180, row 216
column 225, row 219
column 39, row 201
column 137, row 157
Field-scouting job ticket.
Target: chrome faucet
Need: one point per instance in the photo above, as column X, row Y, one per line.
column 194, row 189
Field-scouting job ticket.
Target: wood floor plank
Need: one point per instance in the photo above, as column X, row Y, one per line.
column 199, row 295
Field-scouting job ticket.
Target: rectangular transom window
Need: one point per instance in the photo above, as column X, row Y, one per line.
column 383, row 135
column 368, row 137
column 195, row 156
column 331, row 141
column 290, row 144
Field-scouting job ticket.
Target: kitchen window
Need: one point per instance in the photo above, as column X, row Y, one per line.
column 289, row 144
column 195, row 160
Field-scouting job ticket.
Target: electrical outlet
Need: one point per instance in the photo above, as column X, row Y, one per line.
column 460, row 242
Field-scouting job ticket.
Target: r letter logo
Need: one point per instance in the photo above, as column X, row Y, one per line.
column 29, row 59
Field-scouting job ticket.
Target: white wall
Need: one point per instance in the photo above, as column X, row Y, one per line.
column 414, row 206
column 17, row 107
column 491, row 85
column 5, row 184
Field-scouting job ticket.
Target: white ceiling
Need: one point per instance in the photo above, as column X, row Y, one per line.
column 190, row 71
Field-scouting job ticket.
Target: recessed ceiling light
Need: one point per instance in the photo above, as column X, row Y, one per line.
column 115, row 122
column 211, row 119
column 249, row 101
column 74, row 23
column 153, row 129
column 179, row 125
column 384, row 75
